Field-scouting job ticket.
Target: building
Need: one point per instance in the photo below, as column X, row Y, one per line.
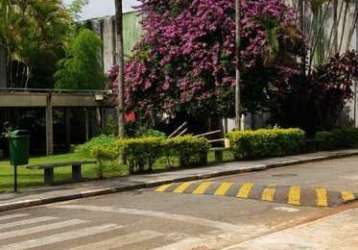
column 106, row 29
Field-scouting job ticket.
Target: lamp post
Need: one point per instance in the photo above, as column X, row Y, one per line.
column 238, row 63
column 120, row 78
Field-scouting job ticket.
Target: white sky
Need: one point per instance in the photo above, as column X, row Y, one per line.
column 99, row 8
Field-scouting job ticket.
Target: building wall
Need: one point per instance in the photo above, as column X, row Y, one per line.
column 106, row 29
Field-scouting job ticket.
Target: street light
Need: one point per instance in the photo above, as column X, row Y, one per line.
column 120, row 78
column 238, row 62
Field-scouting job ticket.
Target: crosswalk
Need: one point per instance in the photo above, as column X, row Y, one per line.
column 24, row 231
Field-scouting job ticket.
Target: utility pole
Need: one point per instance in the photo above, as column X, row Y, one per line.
column 238, row 63
column 120, row 78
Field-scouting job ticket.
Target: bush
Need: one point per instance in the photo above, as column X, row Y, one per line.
column 252, row 144
column 95, row 143
column 337, row 138
column 103, row 154
column 191, row 151
column 140, row 152
column 151, row 133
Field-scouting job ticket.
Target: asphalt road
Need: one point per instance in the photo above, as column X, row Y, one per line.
column 146, row 219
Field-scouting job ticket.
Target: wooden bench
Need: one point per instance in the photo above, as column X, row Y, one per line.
column 48, row 169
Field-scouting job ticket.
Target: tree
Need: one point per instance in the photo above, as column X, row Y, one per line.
column 186, row 59
column 30, row 32
column 81, row 68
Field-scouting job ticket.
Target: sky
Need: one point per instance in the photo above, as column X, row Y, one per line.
column 99, row 8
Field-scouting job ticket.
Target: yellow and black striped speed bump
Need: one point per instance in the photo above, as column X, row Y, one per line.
column 292, row 195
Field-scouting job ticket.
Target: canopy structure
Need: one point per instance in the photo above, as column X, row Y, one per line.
column 50, row 99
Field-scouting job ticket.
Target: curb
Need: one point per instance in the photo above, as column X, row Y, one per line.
column 103, row 191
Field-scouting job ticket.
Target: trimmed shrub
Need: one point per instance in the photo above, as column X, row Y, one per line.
column 337, row 138
column 140, row 153
column 96, row 142
column 103, row 154
column 151, row 133
column 252, row 144
column 191, row 151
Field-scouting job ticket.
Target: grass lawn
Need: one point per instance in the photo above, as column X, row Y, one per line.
column 33, row 178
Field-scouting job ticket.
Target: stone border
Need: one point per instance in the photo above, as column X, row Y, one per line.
column 275, row 163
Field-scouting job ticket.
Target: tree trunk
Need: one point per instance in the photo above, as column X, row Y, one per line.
column 120, row 79
column 335, row 24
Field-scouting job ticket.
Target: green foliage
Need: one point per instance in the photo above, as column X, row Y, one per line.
column 99, row 144
column 32, row 32
column 252, row 144
column 337, row 138
column 75, row 8
column 151, row 133
column 140, row 153
column 81, row 69
column 104, row 153
column 191, row 151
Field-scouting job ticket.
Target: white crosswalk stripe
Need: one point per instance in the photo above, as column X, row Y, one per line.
column 39, row 229
column 26, row 222
column 186, row 244
column 57, row 238
column 121, row 241
column 12, row 216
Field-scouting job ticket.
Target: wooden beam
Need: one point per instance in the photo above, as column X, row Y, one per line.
column 86, row 124
column 68, row 127
column 49, row 126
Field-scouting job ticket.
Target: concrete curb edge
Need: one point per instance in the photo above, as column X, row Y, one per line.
column 103, row 191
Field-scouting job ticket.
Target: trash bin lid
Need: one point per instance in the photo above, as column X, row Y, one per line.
column 19, row 133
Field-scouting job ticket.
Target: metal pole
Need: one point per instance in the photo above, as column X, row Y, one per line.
column 355, row 83
column 238, row 62
column 15, row 178
column 355, row 105
column 120, row 79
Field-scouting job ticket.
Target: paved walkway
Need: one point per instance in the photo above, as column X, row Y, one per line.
column 49, row 194
column 339, row 231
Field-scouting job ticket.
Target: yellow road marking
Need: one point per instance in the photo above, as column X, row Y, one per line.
column 347, row 196
column 268, row 194
column 322, row 200
column 294, row 195
column 245, row 190
column 223, row 188
column 202, row 188
column 163, row 188
column 182, row 187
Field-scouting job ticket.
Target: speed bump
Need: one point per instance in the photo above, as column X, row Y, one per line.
column 292, row 195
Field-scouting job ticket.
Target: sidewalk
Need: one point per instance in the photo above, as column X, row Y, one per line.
column 339, row 231
column 50, row 194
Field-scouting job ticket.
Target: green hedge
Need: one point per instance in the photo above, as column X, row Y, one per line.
column 95, row 143
column 337, row 139
column 253, row 144
column 140, row 153
column 191, row 151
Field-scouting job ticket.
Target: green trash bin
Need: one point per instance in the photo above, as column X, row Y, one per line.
column 19, row 143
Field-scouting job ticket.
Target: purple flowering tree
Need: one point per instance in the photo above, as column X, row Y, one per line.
column 185, row 61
